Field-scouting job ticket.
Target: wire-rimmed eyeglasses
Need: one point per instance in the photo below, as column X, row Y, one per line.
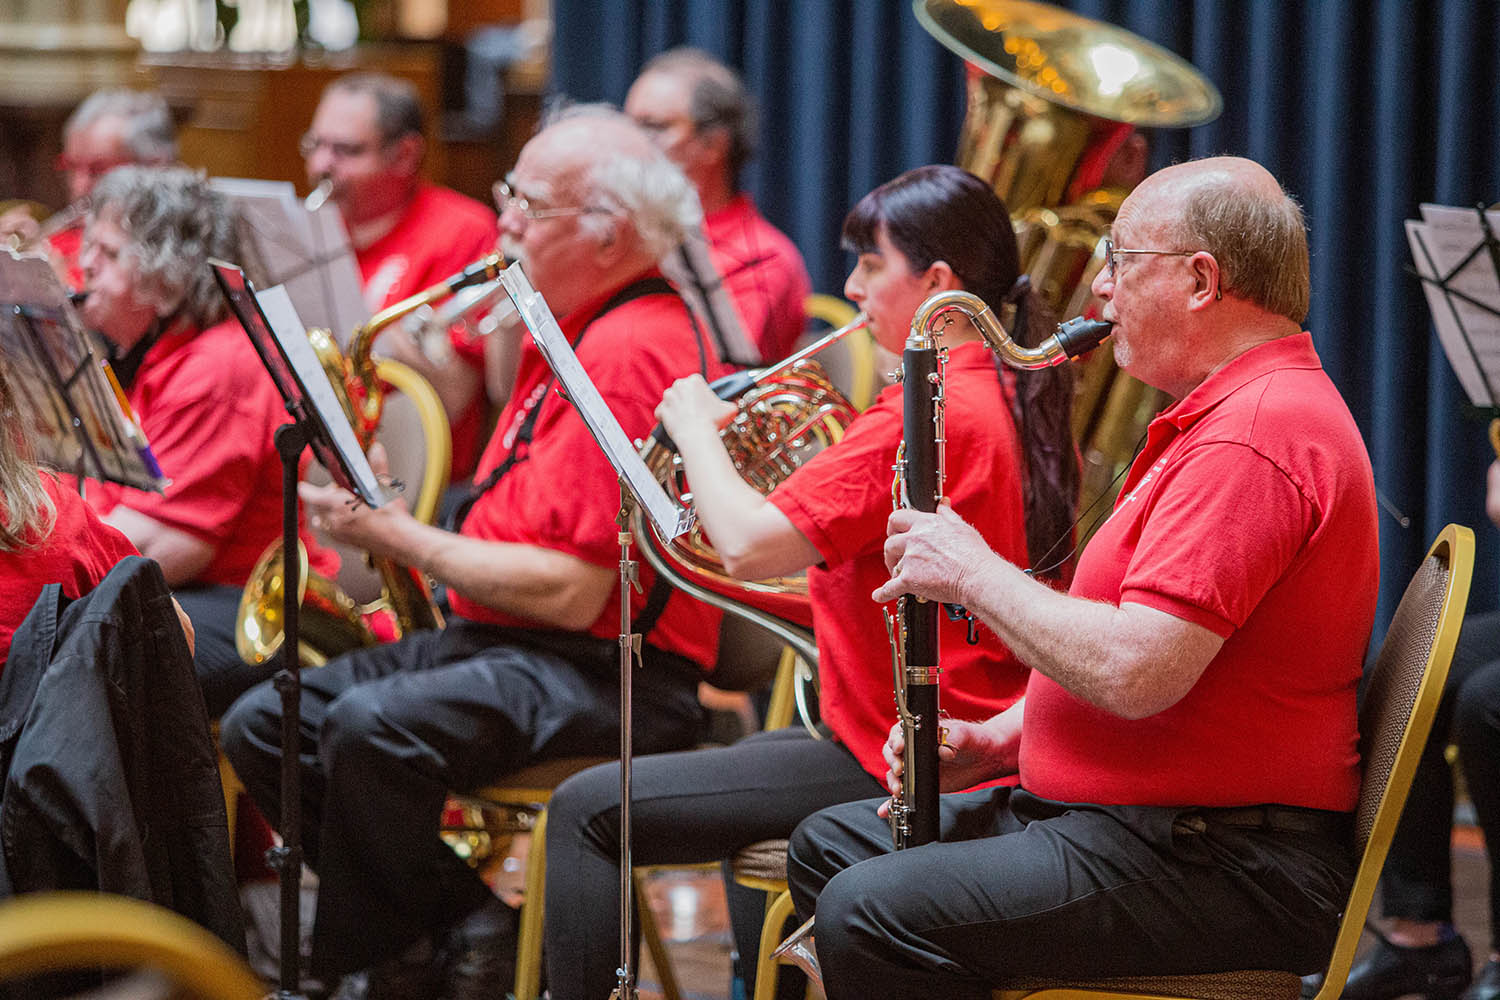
column 1112, row 255
column 506, row 197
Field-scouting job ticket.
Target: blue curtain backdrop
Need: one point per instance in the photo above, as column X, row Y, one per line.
column 1363, row 108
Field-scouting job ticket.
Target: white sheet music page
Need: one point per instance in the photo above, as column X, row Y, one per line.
column 669, row 519
column 1467, row 314
column 306, row 251
column 290, row 333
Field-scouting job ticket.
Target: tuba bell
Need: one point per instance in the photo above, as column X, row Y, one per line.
column 1054, row 101
column 333, row 623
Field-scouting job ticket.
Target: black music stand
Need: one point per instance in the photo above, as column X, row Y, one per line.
column 637, row 486
column 317, row 421
column 1477, row 364
column 68, row 400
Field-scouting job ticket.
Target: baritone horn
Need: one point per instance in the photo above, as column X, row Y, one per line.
column 788, row 412
column 334, row 622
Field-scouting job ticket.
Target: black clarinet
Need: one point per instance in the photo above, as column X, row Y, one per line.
column 914, row 632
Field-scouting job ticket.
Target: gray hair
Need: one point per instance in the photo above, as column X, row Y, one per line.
column 719, row 99
column 648, row 188
column 148, row 130
column 1260, row 243
column 173, row 222
column 398, row 107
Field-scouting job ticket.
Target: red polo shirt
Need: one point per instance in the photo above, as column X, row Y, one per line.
column 841, row 500
column 78, row 553
column 564, row 495
column 764, row 274
column 1250, row 512
column 209, row 411
column 440, row 233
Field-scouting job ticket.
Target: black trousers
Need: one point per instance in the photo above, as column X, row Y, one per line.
column 685, row 807
column 1417, row 881
column 222, row 675
column 387, row 732
column 1022, row 887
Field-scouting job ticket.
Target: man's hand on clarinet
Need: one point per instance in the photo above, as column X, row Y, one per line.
column 933, row 556
column 971, row 752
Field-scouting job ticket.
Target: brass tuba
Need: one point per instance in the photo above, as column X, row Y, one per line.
column 1054, row 99
column 788, row 412
column 332, row 622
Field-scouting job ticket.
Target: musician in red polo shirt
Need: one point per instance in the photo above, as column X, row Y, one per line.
column 1187, row 747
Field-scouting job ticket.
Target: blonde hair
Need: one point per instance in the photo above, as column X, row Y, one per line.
column 29, row 514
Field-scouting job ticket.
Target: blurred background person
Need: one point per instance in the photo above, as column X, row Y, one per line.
column 699, row 113
column 111, row 128
column 205, row 402
column 366, row 142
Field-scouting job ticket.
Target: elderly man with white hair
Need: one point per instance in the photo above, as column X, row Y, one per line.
column 527, row 667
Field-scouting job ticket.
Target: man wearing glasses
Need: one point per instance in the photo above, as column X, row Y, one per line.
column 112, row 128
column 699, row 114
column 527, row 668
column 1186, row 750
column 366, row 145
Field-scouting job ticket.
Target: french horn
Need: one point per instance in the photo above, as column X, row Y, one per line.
column 788, row 412
column 333, row 623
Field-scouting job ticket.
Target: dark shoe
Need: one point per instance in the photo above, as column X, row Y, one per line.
column 479, row 954
column 1487, row 984
column 1437, row 972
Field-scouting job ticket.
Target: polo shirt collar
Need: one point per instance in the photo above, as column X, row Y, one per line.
column 578, row 318
column 1292, row 351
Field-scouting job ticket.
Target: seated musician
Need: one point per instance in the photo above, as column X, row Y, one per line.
column 366, row 142
column 111, row 128
column 1012, row 468
column 206, row 403
column 527, row 668
column 47, row 533
column 697, row 110
column 1187, row 746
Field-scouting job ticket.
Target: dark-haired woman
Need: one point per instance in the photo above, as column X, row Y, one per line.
column 1011, row 467
column 47, row 533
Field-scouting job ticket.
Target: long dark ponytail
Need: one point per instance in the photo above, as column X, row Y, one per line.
column 943, row 213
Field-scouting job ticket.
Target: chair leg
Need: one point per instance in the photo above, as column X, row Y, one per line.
column 529, row 940
column 767, row 968
column 651, row 935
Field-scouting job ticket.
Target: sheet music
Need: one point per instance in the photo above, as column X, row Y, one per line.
column 75, row 415
column 669, row 519
column 1466, row 314
column 270, row 320
column 308, row 252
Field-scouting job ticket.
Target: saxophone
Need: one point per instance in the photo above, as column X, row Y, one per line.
column 336, row 624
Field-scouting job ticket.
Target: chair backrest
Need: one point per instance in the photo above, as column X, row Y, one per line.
column 1399, row 705
column 419, row 449
column 83, row 931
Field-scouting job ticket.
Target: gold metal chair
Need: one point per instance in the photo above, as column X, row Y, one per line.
column 1395, row 718
column 84, row 931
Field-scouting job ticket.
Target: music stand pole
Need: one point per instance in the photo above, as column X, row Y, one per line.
column 630, row 646
column 286, row 859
